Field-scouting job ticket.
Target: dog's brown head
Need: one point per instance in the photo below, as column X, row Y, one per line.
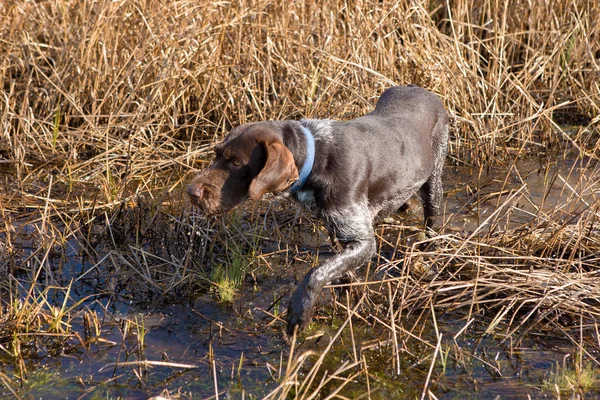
column 251, row 161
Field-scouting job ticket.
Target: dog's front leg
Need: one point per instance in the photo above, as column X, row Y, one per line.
column 302, row 303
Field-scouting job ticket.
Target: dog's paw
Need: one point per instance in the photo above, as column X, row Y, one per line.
column 298, row 318
column 300, row 312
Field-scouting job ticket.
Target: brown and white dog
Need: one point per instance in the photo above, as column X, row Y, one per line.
column 346, row 172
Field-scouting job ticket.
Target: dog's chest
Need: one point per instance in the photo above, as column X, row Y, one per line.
column 307, row 199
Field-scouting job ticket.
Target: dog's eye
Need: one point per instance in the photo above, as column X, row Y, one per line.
column 236, row 163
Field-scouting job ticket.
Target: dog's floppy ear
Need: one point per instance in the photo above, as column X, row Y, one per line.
column 278, row 173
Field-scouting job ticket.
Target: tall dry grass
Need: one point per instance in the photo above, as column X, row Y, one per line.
column 108, row 92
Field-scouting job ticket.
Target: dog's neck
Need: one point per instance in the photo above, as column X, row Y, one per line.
column 309, row 160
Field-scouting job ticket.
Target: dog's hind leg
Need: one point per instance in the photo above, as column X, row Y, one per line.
column 431, row 193
column 432, row 190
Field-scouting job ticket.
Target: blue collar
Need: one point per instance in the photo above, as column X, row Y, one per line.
column 308, row 161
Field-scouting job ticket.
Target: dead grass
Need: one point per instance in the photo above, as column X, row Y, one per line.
column 114, row 92
column 106, row 107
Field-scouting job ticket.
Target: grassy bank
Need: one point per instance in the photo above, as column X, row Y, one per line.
column 108, row 106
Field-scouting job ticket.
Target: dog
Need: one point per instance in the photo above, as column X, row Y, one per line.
column 345, row 172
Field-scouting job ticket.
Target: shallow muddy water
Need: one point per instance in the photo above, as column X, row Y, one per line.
column 197, row 347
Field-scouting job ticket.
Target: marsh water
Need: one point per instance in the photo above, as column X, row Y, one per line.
column 200, row 347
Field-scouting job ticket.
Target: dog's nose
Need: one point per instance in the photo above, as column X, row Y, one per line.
column 195, row 191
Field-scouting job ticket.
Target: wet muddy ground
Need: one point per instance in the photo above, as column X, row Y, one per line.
column 182, row 339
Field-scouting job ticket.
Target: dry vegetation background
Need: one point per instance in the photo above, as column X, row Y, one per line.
column 104, row 101
column 133, row 88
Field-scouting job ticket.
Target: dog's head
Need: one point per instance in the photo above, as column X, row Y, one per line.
column 251, row 161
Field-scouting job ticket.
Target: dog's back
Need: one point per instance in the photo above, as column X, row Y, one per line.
column 411, row 104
